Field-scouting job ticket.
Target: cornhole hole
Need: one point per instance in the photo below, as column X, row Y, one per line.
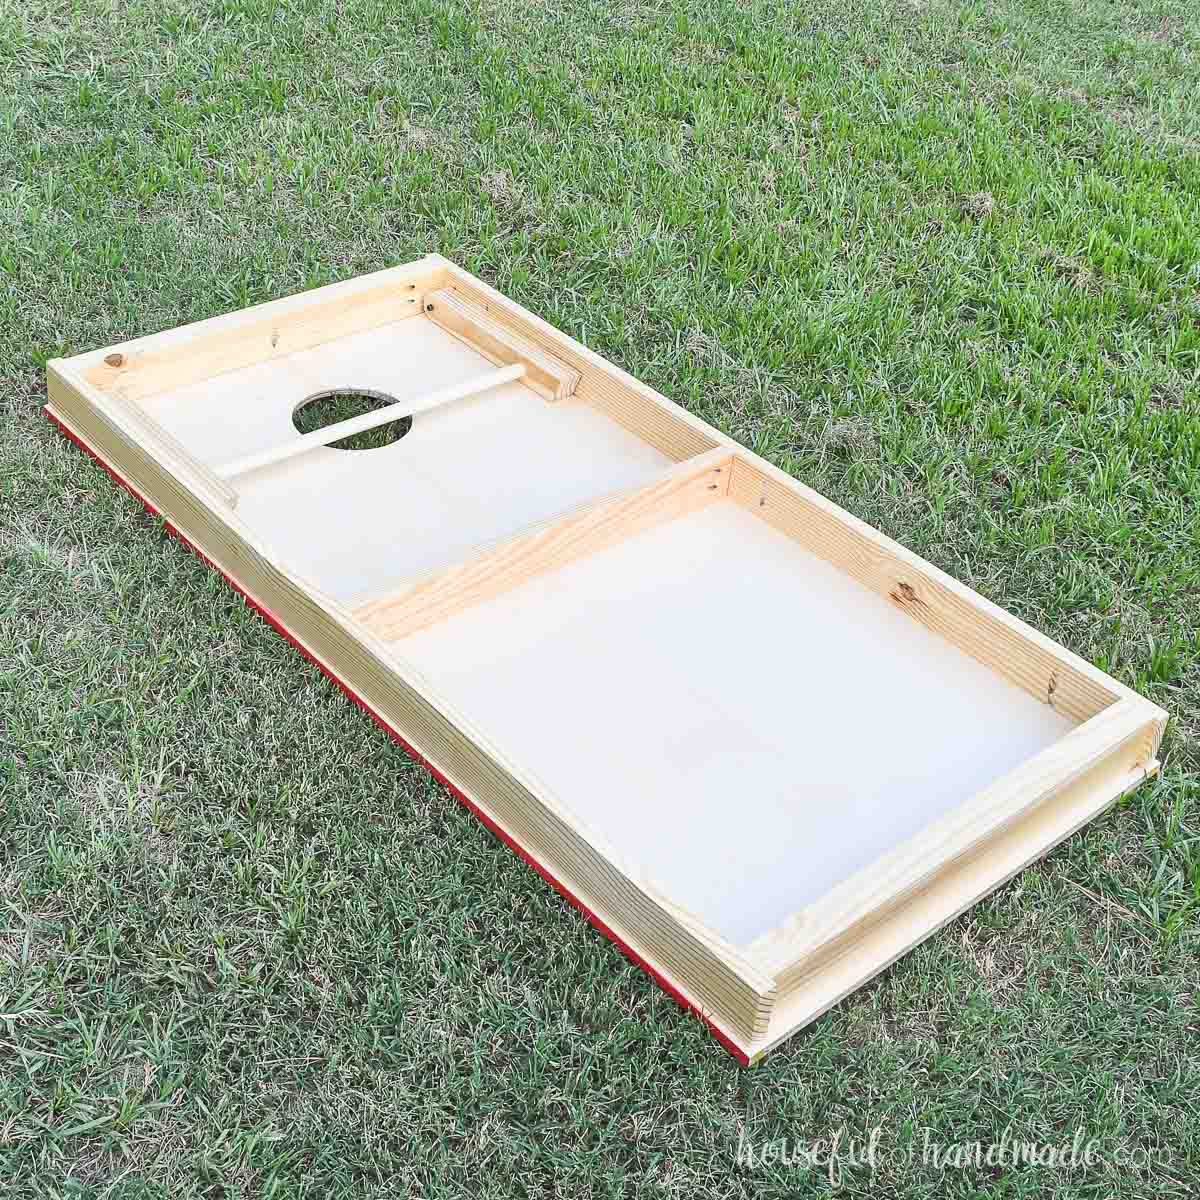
column 765, row 749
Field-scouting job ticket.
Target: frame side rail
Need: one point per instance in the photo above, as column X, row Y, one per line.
column 825, row 929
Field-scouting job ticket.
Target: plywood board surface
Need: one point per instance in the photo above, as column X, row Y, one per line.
column 744, row 720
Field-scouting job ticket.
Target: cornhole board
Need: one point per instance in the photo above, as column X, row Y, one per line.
column 764, row 748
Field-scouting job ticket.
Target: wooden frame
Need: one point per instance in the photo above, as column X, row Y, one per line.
column 163, row 415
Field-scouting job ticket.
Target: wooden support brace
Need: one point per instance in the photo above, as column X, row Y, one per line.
column 831, row 926
column 473, row 324
column 681, row 489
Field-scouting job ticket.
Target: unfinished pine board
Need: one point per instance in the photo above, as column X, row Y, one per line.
column 763, row 747
column 471, row 321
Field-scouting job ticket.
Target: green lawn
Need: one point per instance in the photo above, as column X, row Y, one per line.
column 939, row 259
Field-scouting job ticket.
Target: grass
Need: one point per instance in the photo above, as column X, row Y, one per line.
column 328, row 408
column 940, row 259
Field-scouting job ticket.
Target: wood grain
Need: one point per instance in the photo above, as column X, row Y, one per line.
column 473, row 324
column 549, row 546
column 138, row 370
column 996, row 638
column 152, row 434
column 631, row 403
column 953, row 890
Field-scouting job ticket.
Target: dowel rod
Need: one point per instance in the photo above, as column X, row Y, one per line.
column 372, row 420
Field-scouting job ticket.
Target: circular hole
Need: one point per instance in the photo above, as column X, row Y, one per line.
column 340, row 404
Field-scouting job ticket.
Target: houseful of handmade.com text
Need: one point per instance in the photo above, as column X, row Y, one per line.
column 840, row 1152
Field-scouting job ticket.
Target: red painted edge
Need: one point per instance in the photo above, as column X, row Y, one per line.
column 284, row 632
